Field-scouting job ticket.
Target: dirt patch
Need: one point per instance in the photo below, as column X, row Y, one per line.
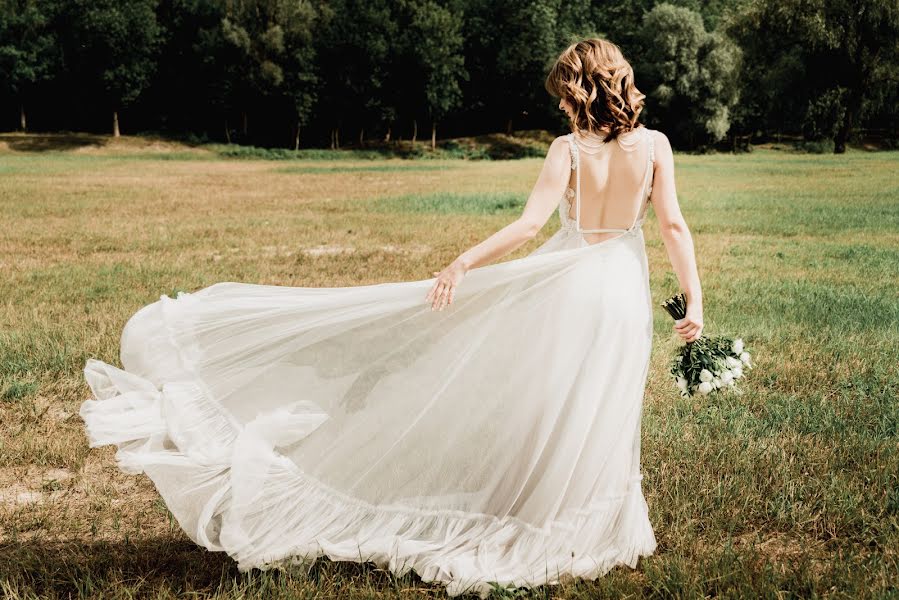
column 326, row 250
column 31, row 484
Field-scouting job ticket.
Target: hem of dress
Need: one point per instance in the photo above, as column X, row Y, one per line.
column 260, row 508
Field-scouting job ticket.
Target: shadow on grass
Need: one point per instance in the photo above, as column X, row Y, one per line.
column 51, row 142
column 162, row 567
column 492, row 146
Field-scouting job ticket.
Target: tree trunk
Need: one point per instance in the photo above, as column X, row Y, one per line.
column 22, row 116
column 839, row 140
column 842, row 135
column 414, row 130
column 115, row 123
column 387, row 135
column 361, row 136
column 433, row 135
column 227, row 131
column 509, row 126
column 296, row 139
column 245, row 123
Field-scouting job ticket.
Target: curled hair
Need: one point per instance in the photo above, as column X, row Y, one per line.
column 598, row 82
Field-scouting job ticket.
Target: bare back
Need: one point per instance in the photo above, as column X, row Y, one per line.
column 610, row 182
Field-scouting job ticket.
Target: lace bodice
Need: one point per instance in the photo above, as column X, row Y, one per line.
column 570, row 197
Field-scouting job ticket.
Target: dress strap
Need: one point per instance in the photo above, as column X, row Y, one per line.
column 572, row 147
column 652, row 163
column 650, row 172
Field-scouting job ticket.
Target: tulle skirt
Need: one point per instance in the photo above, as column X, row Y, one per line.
column 496, row 441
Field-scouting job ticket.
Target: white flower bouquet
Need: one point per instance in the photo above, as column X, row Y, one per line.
column 706, row 364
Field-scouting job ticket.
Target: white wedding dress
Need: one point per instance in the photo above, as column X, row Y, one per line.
column 497, row 440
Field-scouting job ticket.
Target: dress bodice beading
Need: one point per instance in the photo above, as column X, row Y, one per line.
column 571, row 195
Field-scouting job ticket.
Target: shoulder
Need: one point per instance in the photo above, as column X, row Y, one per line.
column 661, row 146
column 559, row 149
column 660, row 140
column 560, row 143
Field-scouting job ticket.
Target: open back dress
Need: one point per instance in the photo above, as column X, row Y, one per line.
column 496, row 441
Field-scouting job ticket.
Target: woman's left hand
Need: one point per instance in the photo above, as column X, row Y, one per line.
column 444, row 288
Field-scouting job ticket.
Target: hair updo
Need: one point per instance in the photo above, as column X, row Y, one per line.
column 598, row 82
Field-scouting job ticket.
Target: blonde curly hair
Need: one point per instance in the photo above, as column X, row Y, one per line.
column 598, row 82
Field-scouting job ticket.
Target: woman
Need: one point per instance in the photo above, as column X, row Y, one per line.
column 495, row 440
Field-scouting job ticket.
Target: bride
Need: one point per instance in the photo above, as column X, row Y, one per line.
column 481, row 427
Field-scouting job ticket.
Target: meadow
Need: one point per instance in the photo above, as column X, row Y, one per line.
column 787, row 489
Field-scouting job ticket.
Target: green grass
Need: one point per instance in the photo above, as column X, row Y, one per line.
column 381, row 168
column 788, row 489
column 450, row 203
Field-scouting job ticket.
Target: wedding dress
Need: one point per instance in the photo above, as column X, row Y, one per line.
column 497, row 440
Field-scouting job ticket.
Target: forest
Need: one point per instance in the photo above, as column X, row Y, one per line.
column 351, row 73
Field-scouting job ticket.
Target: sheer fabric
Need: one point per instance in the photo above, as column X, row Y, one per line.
column 495, row 441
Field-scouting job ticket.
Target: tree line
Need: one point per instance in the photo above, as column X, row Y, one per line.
column 294, row 73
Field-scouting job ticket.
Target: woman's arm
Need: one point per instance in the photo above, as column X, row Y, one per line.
column 677, row 237
column 544, row 199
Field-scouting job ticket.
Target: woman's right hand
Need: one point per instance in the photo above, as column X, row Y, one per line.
column 690, row 327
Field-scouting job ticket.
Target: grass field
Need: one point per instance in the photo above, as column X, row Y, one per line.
column 788, row 490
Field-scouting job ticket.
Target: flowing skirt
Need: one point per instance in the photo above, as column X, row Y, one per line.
column 497, row 440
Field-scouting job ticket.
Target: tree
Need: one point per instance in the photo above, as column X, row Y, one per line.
column 435, row 45
column 355, row 50
column 528, row 45
column 301, row 77
column 273, row 39
column 27, row 56
column 115, row 45
column 192, row 66
column 836, row 57
column 509, row 46
column 691, row 75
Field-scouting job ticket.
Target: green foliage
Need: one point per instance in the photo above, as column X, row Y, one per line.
column 260, row 72
column 834, row 64
column 27, row 45
column 254, row 152
column 819, row 146
column 438, row 50
column 115, row 43
column 355, row 47
column 691, row 76
column 274, row 40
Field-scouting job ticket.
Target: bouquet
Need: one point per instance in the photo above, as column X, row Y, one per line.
column 707, row 363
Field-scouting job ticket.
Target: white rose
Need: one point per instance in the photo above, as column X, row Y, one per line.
column 732, row 382
column 745, row 356
column 705, row 375
column 716, row 382
column 737, row 346
column 681, row 383
column 705, row 387
column 727, row 377
column 731, row 362
column 737, row 371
